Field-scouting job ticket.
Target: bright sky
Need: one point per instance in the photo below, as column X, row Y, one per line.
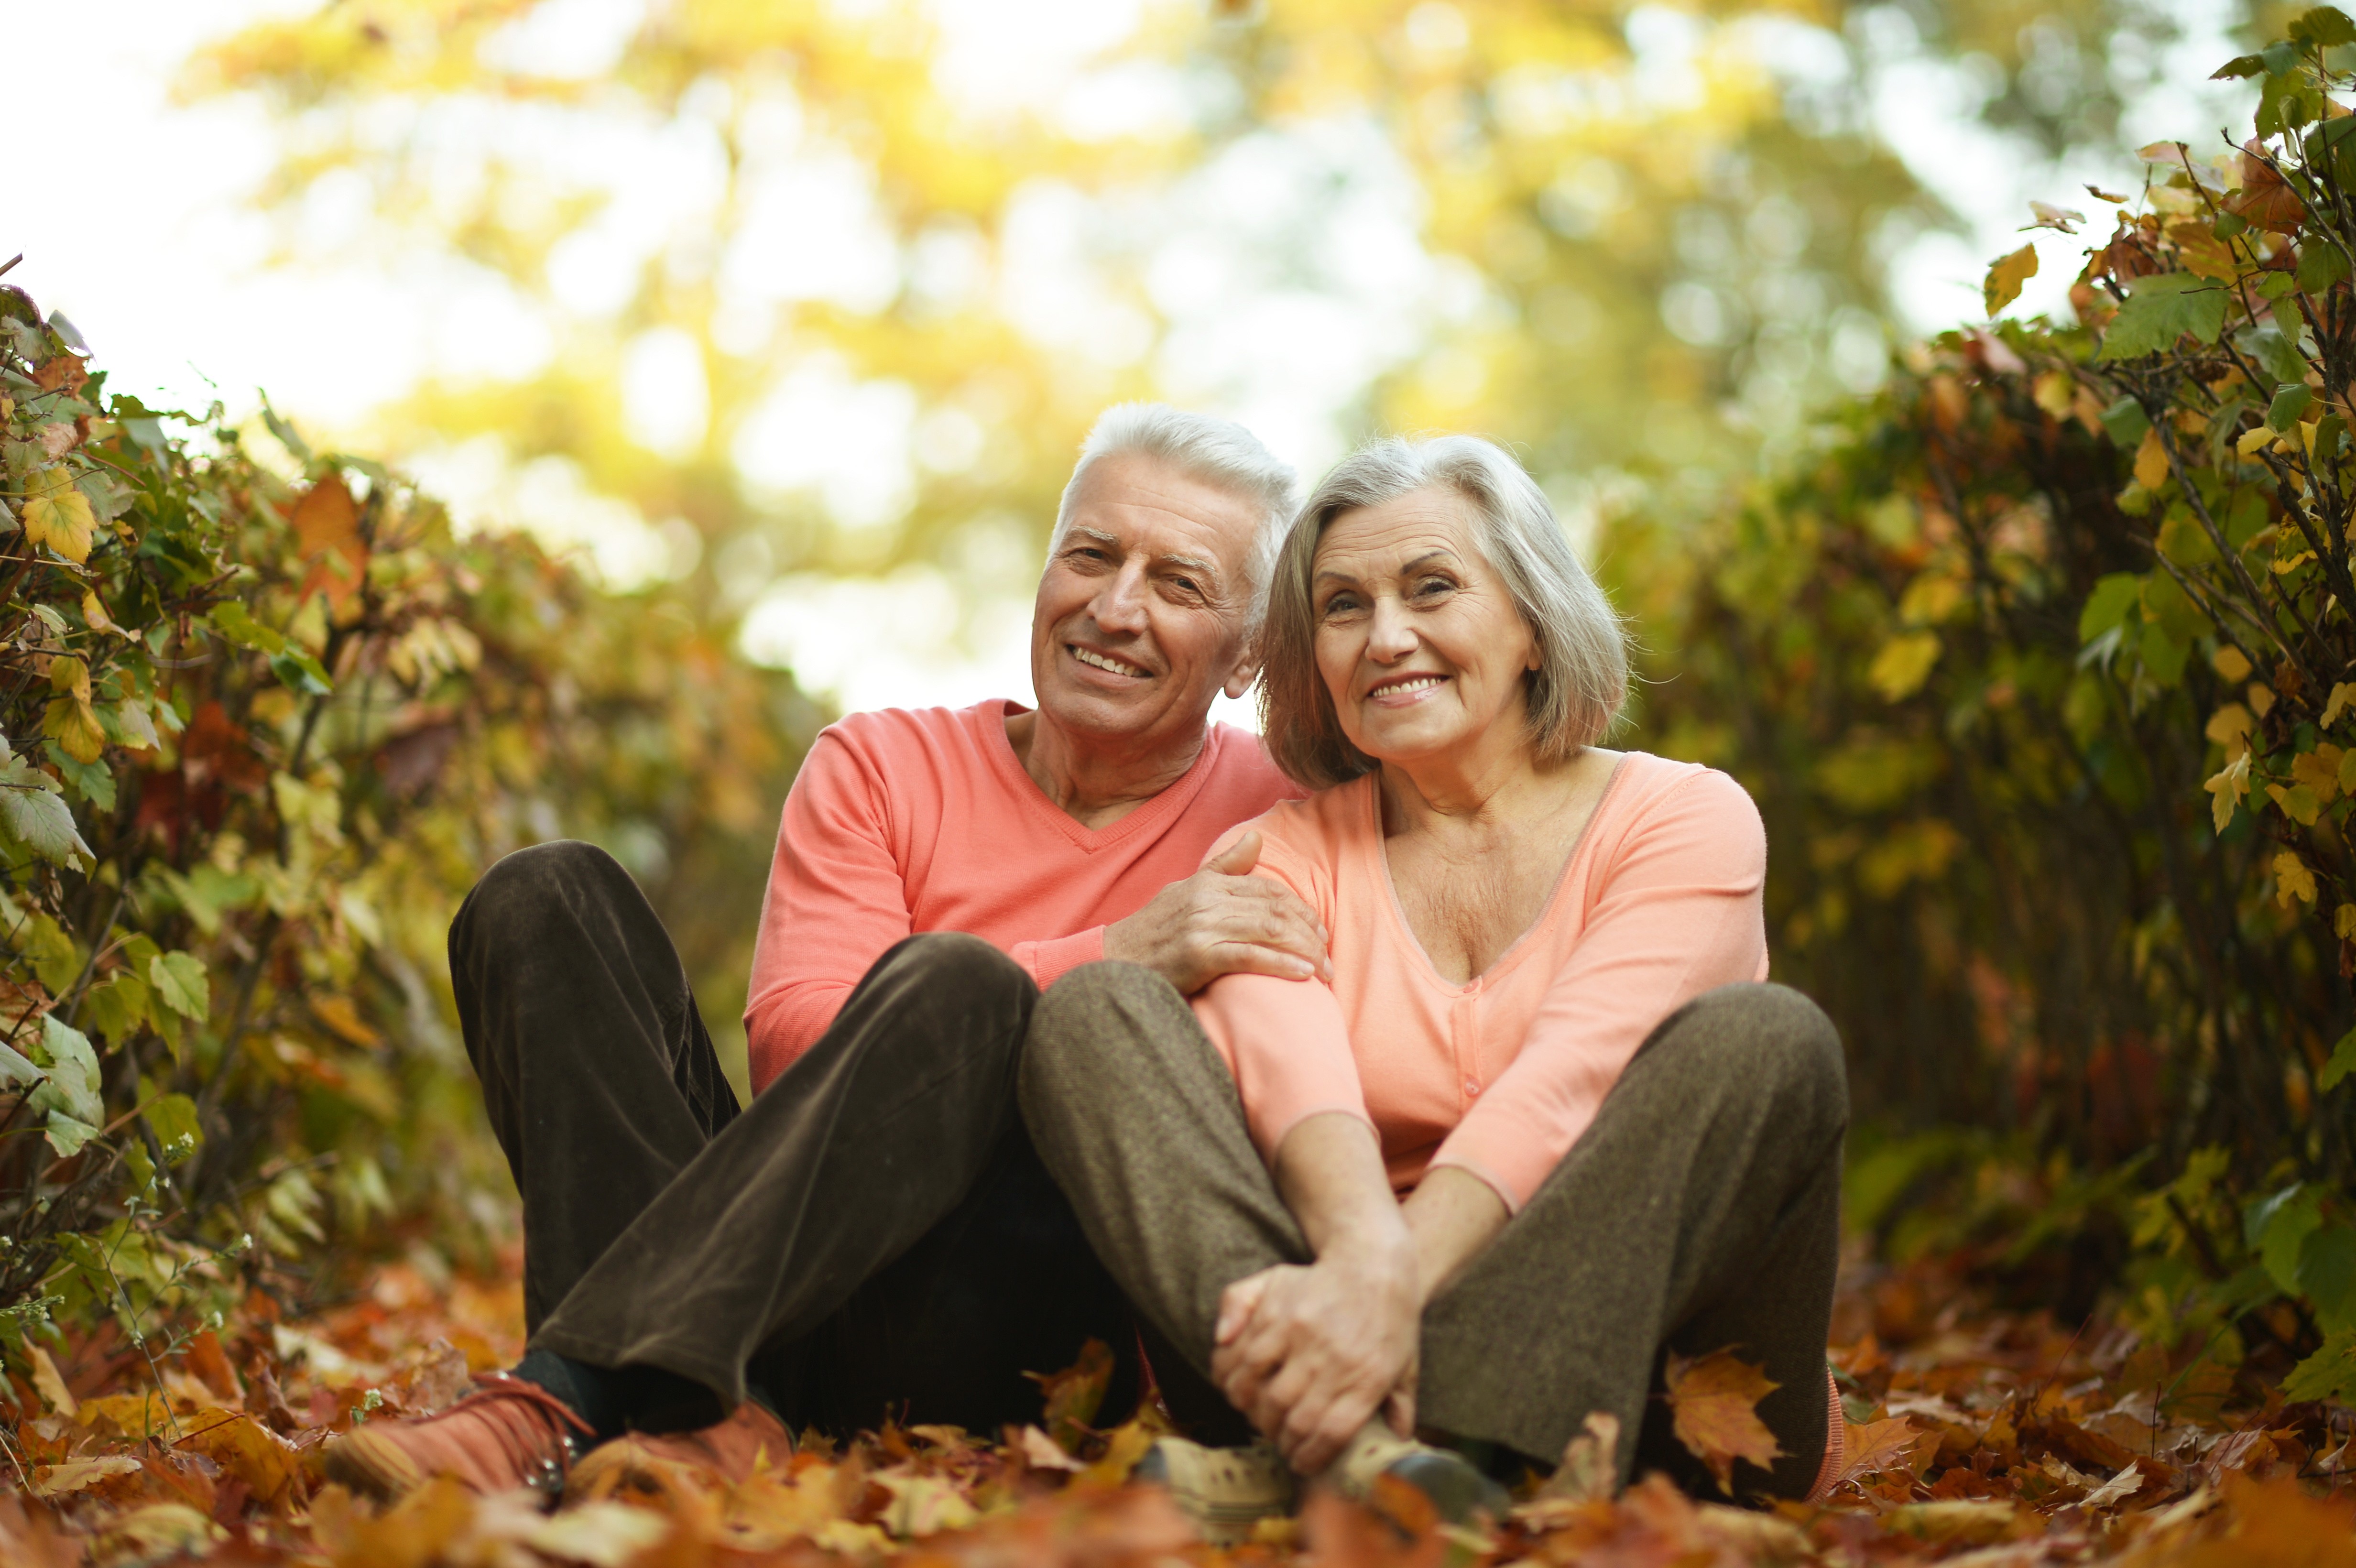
column 179, row 289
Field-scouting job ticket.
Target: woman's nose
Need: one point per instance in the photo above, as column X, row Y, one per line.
column 1391, row 637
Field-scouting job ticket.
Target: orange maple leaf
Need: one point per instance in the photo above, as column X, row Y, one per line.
column 1716, row 1400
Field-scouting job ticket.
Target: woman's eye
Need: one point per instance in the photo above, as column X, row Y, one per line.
column 1340, row 604
column 1432, row 586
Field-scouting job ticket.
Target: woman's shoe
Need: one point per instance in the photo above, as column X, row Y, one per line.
column 1226, row 1491
column 1455, row 1484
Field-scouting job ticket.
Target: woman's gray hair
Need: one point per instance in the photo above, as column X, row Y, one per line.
column 1571, row 700
column 1218, row 452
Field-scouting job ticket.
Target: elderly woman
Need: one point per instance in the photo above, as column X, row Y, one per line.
column 1542, row 1128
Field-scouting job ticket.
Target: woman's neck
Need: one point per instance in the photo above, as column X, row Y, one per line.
column 1481, row 786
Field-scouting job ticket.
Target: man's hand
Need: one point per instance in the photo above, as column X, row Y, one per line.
column 1222, row 921
column 1310, row 1354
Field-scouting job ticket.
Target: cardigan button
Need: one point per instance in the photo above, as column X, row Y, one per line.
column 1472, row 1087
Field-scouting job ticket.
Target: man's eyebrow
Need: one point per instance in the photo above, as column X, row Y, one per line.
column 1098, row 535
column 1192, row 563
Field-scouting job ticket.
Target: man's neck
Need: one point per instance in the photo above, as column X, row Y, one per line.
column 1094, row 783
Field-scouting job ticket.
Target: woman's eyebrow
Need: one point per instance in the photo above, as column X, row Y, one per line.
column 1428, row 558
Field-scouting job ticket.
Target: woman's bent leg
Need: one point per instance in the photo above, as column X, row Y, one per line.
column 1699, row 1212
column 1138, row 1118
column 597, row 1071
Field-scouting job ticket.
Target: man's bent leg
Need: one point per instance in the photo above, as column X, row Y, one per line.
column 872, row 1138
column 597, row 1074
column 1699, row 1212
column 1004, row 1285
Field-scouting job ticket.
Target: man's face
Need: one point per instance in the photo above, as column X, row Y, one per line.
column 1139, row 619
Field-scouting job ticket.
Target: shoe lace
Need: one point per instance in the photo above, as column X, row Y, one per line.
column 529, row 1423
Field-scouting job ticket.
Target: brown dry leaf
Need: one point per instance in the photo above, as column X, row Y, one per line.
column 62, row 370
column 1715, row 1399
column 245, row 1449
column 1126, row 1447
column 49, row 1384
column 1074, row 1393
column 131, row 1416
column 157, row 1534
column 327, row 525
column 60, row 1481
column 1879, row 1445
column 1042, row 1452
column 1590, row 1471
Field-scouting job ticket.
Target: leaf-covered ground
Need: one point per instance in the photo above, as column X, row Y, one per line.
column 1983, row 1437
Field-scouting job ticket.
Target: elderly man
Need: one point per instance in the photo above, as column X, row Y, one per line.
column 874, row 1232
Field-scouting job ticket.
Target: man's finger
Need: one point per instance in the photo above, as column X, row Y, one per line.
column 1237, row 859
column 1251, row 958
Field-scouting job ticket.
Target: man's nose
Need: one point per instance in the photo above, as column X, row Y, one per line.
column 1120, row 606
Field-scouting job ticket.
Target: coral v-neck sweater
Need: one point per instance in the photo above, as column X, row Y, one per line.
column 910, row 820
column 1658, row 902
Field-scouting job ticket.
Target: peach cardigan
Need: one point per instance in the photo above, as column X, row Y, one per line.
column 1658, row 902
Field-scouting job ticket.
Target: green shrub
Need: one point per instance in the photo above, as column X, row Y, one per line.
column 262, row 727
column 2043, row 671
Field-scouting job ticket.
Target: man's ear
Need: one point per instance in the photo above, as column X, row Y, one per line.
column 1246, row 669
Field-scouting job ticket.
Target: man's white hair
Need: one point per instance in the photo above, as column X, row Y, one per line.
column 1215, row 452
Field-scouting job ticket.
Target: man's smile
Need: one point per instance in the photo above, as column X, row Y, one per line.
column 1104, row 661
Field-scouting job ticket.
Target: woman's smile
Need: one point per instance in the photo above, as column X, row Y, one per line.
column 1404, row 690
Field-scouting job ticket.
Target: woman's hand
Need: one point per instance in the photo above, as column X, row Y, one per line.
column 1311, row 1353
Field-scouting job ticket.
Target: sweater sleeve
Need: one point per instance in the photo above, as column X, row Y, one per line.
column 1286, row 1041
column 836, row 901
column 1678, row 913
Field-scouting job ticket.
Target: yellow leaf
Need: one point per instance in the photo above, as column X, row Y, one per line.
column 2151, row 460
column 2297, row 803
column 2228, row 787
column 2252, row 440
column 2262, row 697
column 58, row 515
column 71, row 677
column 1903, row 665
column 2342, row 694
column 2344, row 921
column 2347, row 772
column 2230, row 662
column 1715, row 1400
column 2054, row 392
column 2293, row 880
column 2005, row 276
column 2319, row 771
column 73, row 724
column 2230, row 727
column 244, row 1448
column 49, row 1384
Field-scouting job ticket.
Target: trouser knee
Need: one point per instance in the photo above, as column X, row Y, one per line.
column 1090, row 1024
column 1770, row 1039
column 525, row 896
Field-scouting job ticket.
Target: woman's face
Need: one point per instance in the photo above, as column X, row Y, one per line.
column 1417, row 641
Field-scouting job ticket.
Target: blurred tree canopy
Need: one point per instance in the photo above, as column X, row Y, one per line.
column 840, row 285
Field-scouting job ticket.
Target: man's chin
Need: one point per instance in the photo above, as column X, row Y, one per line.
column 1111, row 715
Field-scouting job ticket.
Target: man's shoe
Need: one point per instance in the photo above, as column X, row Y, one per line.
column 662, row 1469
column 1226, row 1491
column 1456, row 1486
column 509, row 1432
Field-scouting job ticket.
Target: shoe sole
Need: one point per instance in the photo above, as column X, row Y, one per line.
column 357, row 1462
column 1457, row 1489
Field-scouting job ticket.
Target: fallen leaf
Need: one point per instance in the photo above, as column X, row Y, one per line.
column 1590, row 1471
column 1042, row 1452
column 49, row 1384
column 245, row 1449
column 1875, row 1446
column 1715, row 1399
column 1074, row 1393
column 57, row 1480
